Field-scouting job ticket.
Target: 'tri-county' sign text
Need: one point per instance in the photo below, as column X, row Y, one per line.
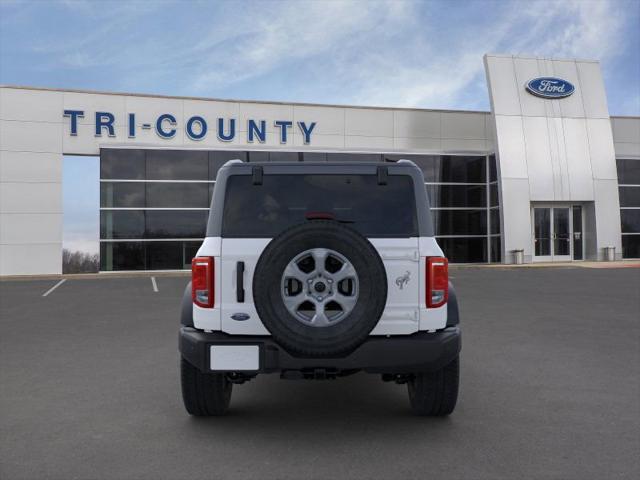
column 196, row 127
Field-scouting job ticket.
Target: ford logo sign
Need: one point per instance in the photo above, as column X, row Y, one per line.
column 240, row 317
column 550, row 87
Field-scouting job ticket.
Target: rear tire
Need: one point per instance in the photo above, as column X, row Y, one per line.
column 434, row 394
column 204, row 394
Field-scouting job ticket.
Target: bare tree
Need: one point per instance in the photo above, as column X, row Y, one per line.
column 79, row 262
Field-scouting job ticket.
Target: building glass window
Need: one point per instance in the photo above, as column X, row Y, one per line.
column 176, row 223
column 629, row 196
column 163, row 197
column 177, row 165
column 493, row 169
column 122, row 195
column 177, row 195
column 631, row 246
column 122, row 256
column 284, row 157
column 152, row 224
column 448, row 168
column 170, row 255
column 494, row 217
column 628, row 171
column 460, row 222
column 176, row 255
column 630, row 219
column 464, row 249
column 496, row 254
column 122, row 224
column 125, row 164
column 164, row 255
column 442, row 196
column 461, row 169
column 629, row 192
column 354, row 157
column 314, row 157
column 493, row 195
column 257, row 156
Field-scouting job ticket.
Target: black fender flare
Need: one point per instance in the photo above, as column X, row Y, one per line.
column 186, row 309
column 453, row 312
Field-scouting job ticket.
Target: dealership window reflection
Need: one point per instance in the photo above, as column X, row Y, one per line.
column 629, row 194
column 154, row 203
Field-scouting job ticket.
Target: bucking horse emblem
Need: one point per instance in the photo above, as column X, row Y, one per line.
column 402, row 280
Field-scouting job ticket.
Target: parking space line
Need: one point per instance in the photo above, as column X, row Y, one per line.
column 54, row 287
column 154, row 284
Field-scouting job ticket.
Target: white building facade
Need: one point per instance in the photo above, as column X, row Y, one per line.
column 546, row 175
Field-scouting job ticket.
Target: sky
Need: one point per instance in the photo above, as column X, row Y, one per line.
column 81, row 204
column 380, row 53
column 390, row 53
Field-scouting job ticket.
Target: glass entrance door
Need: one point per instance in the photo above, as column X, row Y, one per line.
column 542, row 233
column 557, row 233
column 561, row 234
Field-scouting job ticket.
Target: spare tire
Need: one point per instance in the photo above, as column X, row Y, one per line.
column 320, row 288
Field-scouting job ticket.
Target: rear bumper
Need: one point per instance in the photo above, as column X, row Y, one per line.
column 419, row 352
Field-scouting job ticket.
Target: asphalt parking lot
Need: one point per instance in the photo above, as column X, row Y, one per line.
column 550, row 389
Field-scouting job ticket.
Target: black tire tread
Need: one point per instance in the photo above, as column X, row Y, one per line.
column 204, row 394
column 435, row 394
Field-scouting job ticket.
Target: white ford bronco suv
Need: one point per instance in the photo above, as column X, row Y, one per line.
column 315, row 271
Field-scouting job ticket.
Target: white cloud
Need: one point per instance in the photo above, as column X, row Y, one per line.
column 386, row 52
column 275, row 38
column 407, row 67
column 81, row 244
column 561, row 29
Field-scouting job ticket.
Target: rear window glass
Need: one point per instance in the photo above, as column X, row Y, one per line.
column 286, row 200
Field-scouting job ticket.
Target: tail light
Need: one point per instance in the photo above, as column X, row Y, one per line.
column 437, row 281
column 202, row 283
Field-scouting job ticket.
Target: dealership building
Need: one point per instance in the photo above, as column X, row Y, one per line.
column 546, row 175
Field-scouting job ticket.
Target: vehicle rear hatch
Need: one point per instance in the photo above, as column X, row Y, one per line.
column 258, row 207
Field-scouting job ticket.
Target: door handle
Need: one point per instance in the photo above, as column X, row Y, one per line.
column 240, row 282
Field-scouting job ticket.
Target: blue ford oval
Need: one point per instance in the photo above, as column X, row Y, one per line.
column 550, row 87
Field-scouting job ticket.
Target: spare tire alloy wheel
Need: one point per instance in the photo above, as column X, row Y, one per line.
column 320, row 288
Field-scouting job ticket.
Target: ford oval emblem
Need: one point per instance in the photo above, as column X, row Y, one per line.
column 550, row 87
column 240, row 317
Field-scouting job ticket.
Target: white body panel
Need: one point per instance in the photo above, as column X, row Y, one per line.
column 401, row 259
column 404, row 260
column 247, row 250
